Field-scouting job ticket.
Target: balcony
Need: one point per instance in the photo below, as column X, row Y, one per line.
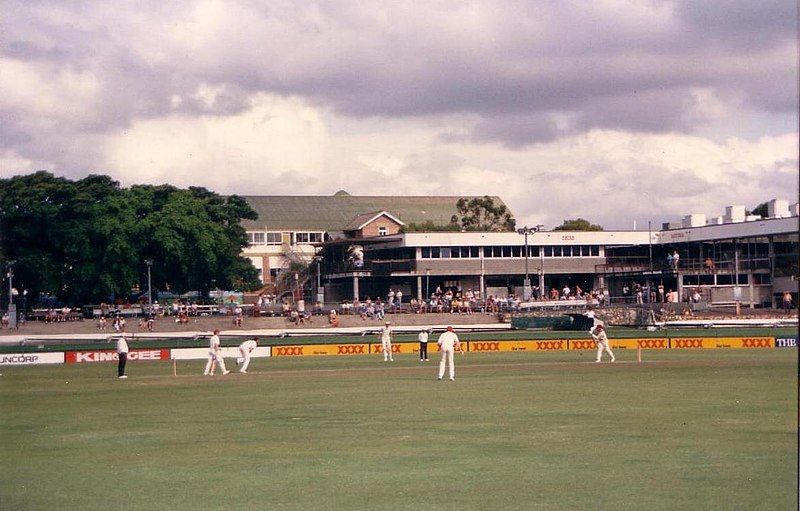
column 376, row 268
column 707, row 265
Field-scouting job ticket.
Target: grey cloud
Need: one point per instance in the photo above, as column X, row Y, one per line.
column 509, row 63
column 515, row 132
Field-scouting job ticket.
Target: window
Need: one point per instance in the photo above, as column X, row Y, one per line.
column 273, row 238
column 761, row 278
column 382, row 231
column 595, row 250
column 426, row 252
column 255, row 238
column 516, row 251
column 557, row 252
column 506, row 251
column 548, row 251
column 691, row 280
column 533, row 251
column 444, row 252
column 308, row 237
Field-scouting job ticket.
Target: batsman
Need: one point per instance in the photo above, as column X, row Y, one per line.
column 600, row 337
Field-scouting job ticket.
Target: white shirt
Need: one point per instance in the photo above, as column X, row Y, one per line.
column 447, row 340
column 213, row 344
column 122, row 345
column 248, row 345
column 423, row 337
column 600, row 336
column 386, row 334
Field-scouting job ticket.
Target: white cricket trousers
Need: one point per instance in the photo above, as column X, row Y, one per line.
column 601, row 347
column 447, row 357
column 220, row 362
column 386, row 347
column 245, row 359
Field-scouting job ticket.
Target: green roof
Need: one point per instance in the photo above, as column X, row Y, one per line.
column 334, row 212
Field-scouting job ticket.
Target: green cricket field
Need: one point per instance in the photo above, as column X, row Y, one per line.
column 683, row 429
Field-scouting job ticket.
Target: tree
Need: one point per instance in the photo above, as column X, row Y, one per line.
column 482, row 214
column 87, row 240
column 578, row 224
column 429, row 226
column 761, row 210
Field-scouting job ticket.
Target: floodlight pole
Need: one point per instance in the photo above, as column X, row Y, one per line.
column 526, row 285
column 10, row 282
column 427, row 282
column 149, row 263
column 650, row 243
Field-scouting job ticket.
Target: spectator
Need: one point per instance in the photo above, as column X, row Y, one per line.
column 787, row 301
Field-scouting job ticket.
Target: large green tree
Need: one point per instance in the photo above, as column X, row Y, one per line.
column 578, row 224
column 88, row 240
column 483, row 214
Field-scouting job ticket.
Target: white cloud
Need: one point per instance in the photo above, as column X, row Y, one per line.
column 277, row 138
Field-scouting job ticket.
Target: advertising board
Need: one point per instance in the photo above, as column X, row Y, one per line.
column 19, row 359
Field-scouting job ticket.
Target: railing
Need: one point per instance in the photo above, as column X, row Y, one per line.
column 378, row 267
column 639, row 264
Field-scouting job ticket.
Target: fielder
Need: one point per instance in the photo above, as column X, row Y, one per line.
column 600, row 337
column 386, row 342
column 214, row 355
column 245, row 349
column 448, row 343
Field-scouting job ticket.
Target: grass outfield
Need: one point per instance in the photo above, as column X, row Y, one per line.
column 714, row 429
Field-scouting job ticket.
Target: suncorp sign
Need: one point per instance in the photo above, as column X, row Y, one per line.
column 20, row 359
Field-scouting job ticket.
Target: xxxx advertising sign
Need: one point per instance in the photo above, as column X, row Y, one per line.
column 311, row 350
column 721, row 342
column 548, row 345
column 621, row 344
column 403, row 347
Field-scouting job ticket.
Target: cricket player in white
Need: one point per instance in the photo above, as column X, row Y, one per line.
column 215, row 355
column 448, row 343
column 600, row 337
column 245, row 349
column 386, row 342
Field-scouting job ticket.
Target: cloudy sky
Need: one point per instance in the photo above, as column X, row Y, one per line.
column 612, row 110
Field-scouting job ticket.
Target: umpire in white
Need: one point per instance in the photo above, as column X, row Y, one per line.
column 423, row 345
column 122, row 355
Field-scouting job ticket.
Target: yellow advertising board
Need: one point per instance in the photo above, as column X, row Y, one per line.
column 307, row 350
column 622, row 344
column 721, row 342
column 402, row 347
